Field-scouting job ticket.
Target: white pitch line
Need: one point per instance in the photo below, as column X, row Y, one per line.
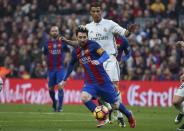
column 46, row 113
column 52, row 121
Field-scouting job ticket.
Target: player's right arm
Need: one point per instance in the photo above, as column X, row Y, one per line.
column 117, row 29
column 69, row 42
column 45, row 49
column 70, row 68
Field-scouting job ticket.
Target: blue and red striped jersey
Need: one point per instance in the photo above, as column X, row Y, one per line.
column 55, row 51
column 94, row 74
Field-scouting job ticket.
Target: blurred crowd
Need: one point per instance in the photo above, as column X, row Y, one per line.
column 24, row 24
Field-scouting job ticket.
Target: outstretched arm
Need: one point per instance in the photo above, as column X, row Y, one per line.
column 69, row 42
column 69, row 70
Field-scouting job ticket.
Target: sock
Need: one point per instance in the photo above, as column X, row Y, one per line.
column 119, row 114
column 90, row 105
column 60, row 98
column 124, row 110
column 181, row 108
column 52, row 96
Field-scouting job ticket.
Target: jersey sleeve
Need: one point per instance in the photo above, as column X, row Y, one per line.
column 95, row 46
column 117, row 29
column 45, row 49
column 65, row 47
column 71, row 65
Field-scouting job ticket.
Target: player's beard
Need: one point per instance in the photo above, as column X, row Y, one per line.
column 55, row 36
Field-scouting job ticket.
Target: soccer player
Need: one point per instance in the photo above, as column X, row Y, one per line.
column 55, row 50
column 178, row 99
column 123, row 46
column 97, row 83
column 102, row 31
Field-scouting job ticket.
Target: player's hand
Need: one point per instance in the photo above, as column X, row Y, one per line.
column 62, row 84
column 180, row 44
column 95, row 62
column 182, row 78
column 62, row 38
column 133, row 28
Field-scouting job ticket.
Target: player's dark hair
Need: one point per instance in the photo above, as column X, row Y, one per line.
column 95, row 4
column 82, row 29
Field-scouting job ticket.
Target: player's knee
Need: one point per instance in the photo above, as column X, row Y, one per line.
column 175, row 102
column 115, row 105
column 60, row 87
column 85, row 97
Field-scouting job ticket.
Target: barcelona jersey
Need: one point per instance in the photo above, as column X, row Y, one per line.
column 55, row 52
column 94, row 74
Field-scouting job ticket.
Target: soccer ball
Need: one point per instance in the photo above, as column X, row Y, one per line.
column 101, row 112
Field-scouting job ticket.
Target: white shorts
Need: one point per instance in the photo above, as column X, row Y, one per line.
column 112, row 68
column 180, row 91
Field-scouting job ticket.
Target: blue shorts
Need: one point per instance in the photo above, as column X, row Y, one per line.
column 55, row 77
column 107, row 92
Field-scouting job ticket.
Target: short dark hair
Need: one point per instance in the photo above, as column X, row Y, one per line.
column 95, row 4
column 82, row 29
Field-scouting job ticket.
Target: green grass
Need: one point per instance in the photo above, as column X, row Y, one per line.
column 77, row 118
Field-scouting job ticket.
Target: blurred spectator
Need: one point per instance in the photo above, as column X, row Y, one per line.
column 24, row 25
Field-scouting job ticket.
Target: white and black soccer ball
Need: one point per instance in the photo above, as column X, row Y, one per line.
column 1, row 84
column 101, row 112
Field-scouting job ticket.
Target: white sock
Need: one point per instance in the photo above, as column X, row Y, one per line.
column 181, row 108
column 108, row 105
column 119, row 114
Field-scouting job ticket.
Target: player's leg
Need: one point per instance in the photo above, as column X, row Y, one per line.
column 119, row 114
column 60, row 75
column 88, row 92
column 112, row 68
column 51, row 84
column 109, row 94
column 178, row 102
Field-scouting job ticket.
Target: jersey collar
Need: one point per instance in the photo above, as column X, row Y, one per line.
column 99, row 23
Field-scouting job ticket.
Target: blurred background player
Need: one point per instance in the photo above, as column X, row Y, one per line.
column 1, row 84
column 102, row 31
column 97, row 82
column 55, row 50
column 178, row 99
column 124, row 50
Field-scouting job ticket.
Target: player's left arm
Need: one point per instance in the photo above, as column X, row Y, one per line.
column 117, row 29
column 103, row 55
column 126, row 48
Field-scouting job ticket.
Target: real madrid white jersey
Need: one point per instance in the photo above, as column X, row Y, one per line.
column 102, row 33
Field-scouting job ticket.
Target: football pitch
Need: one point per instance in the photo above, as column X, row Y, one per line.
column 15, row 117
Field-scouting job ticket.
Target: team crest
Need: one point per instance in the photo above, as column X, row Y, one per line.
column 59, row 45
column 49, row 46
